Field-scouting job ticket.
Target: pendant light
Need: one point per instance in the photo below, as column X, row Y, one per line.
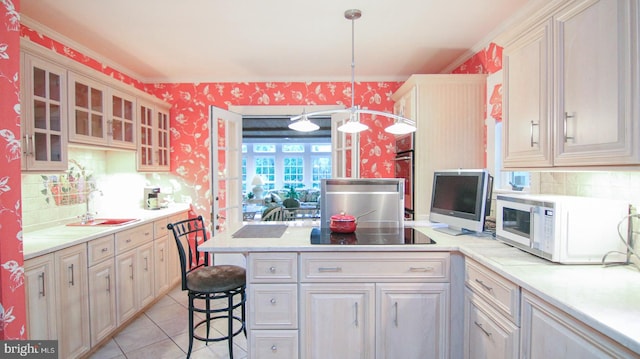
column 401, row 125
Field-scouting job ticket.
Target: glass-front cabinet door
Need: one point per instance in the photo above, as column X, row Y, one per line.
column 122, row 120
column 87, row 120
column 44, row 130
column 153, row 143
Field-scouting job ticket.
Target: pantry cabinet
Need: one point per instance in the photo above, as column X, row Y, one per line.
column 153, row 142
column 571, row 93
column 358, row 305
column 43, row 121
column 448, row 110
column 548, row 332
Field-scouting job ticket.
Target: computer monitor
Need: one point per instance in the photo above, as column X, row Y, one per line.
column 461, row 199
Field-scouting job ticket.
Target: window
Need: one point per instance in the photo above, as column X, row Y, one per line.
column 503, row 179
column 293, row 172
column 293, row 148
column 244, row 173
column 321, row 169
column 266, row 168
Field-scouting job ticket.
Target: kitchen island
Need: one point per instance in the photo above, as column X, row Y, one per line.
column 585, row 309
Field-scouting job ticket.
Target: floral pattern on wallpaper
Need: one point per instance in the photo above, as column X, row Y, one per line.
column 190, row 122
column 12, row 299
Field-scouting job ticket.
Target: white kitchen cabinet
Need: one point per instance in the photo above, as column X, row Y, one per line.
column 43, row 121
column 134, row 270
column 338, row 320
column 412, row 320
column 491, row 314
column 272, row 305
column 548, row 332
column 571, row 87
column 527, row 92
column 488, row 334
column 122, row 125
column 88, row 110
column 161, row 264
column 40, row 291
column 72, row 297
column 102, row 289
column 357, row 305
column 153, row 142
column 449, row 114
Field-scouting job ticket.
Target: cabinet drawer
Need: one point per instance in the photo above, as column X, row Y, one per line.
column 100, row 249
column 273, row 306
column 378, row 267
column 273, row 268
column 273, row 344
column 131, row 238
column 160, row 228
column 501, row 293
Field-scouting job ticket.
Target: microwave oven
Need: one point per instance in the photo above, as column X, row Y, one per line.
column 563, row 229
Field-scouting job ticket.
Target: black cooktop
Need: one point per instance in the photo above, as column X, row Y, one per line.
column 370, row 236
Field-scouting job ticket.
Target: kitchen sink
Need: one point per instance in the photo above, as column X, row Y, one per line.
column 105, row 222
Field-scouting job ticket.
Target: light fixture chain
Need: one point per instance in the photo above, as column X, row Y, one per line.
column 353, row 62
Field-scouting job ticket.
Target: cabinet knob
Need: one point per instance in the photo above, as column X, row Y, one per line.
column 273, row 301
column 274, row 348
column 272, row 269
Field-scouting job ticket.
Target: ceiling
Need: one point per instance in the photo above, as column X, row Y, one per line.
column 278, row 40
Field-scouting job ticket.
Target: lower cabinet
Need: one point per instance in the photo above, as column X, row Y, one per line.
column 338, row 320
column 102, row 289
column 40, row 291
column 374, row 305
column 72, row 298
column 488, row 335
column 134, row 278
column 548, row 332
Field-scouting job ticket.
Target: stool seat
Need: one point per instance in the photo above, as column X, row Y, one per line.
column 219, row 278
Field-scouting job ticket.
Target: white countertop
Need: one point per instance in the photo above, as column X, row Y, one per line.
column 605, row 298
column 46, row 240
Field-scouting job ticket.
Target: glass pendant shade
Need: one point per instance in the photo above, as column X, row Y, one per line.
column 303, row 125
column 400, row 128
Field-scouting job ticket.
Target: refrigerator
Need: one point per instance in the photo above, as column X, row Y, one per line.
column 404, row 167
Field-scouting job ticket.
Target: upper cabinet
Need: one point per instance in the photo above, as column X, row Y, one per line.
column 153, row 144
column 571, row 93
column 44, row 130
column 100, row 115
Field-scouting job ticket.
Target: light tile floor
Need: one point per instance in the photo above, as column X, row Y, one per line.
column 161, row 332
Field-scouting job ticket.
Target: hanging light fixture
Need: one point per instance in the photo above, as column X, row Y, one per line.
column 401, row 125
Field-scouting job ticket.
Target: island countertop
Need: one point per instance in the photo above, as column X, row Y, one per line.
column 604, row 298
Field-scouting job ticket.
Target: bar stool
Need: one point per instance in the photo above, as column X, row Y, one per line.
column 205, row 282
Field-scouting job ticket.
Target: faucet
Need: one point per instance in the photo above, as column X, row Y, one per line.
column 89, row 216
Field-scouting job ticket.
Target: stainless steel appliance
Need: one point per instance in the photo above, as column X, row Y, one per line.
column 151, row 198
column 383, row 196
column 404, row 168
column 562, row 229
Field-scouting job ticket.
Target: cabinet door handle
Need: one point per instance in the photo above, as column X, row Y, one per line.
column 395, row 314
column 131, row 269
column 482, row 328
column 356, row 310
column 329, row 269
column 531, row 133
column 420, row 269
column 72, row 281
column 29, row 141
column 162, row 255
column 567, row 115
column 108, row 283
column 41, row 277
column 486, row 287
column 146, row 264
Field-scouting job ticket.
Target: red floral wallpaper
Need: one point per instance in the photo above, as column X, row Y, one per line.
column 12, row 297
